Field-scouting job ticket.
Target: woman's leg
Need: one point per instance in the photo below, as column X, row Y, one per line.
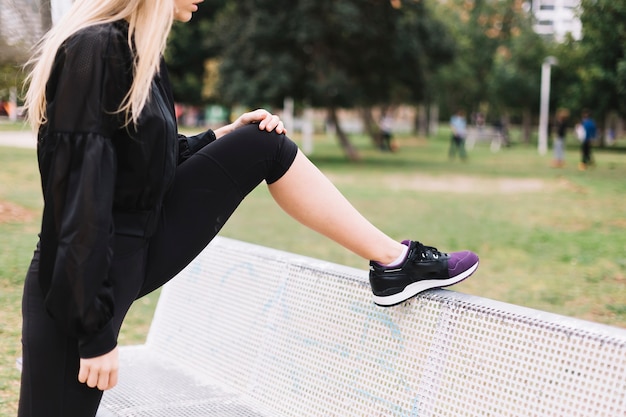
column 49, row 383
column 213, row 182
column 398, row 271
column 208, row 187
column 309, row 197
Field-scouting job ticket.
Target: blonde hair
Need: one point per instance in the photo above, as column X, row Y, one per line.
column 149, row 24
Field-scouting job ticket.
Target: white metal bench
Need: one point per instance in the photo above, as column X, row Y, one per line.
column 251, row 331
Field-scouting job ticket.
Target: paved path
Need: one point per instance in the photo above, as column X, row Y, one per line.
column 21, row 139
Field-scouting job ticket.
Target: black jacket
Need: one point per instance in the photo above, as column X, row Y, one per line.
column 99, row 177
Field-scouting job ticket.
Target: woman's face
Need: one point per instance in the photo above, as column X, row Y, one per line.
column 184, row 9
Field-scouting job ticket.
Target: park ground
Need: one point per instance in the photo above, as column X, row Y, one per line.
column 549, row 239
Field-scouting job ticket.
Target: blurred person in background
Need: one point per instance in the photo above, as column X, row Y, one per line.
column 559, row 138
column 590, row 131
column 458, row 124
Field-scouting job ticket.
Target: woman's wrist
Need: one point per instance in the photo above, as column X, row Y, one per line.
column 224, row 130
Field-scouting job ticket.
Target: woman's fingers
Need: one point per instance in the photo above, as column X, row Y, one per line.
column 100, row 372
column 92, row 380
column 272, row 122
column 103, row 381
column 83, row 373
column 112, row 379
column 264, row 119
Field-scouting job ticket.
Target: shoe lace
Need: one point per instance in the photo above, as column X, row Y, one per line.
column 428, row 252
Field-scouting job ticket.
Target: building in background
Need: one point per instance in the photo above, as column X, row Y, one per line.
column 557, row 18
column 59, row 7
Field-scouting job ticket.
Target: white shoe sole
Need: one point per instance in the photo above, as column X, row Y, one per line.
column 420, row 286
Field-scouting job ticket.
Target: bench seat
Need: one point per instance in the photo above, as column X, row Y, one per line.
column 153, row 386
column 247, row 330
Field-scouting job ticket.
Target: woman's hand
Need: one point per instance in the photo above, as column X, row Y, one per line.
column 101, row 371
column 266, row 121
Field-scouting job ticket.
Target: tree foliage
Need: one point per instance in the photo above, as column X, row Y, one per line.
column 478, row 55
column 189, row 47
column 475, row 30
column 603, row 71
column 568, row 90
column 328, row 54
column 498, row 56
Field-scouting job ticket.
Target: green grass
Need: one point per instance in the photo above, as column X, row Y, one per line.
column 551, row 239
column 8, row 126
column 548, row 239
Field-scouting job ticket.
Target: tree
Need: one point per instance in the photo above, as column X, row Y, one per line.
column 20, row 28
column 421, row 46
column 489, row 36
column 324, row 53
column 515, row 80
column 568, row 90
column 476, row 30
column 603, row 71
column 189, row 48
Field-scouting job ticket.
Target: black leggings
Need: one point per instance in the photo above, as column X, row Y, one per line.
column 208, row 187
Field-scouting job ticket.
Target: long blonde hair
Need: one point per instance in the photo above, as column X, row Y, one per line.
column 149, row 24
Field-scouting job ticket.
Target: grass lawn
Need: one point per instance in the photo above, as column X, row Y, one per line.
column 550, row 239
column 8, row 126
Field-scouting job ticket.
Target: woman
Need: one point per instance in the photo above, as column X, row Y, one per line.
column 128, row 203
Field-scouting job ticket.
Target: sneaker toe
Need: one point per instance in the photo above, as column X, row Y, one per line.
column 460, row 262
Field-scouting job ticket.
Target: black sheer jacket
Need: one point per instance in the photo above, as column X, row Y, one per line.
column 99, row 176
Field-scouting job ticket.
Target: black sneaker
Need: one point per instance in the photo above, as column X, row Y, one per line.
column 424, row 268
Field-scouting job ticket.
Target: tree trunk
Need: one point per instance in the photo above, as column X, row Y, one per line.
column 349, row 150
column 371, row 127
column 45, row 13
column 526, row 122
column 433, row 116
column 422, row 120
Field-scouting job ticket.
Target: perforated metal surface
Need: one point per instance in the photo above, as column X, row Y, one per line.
column 152, row 386
column 301, row 337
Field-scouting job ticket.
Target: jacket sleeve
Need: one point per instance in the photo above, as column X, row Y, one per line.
column 188, row 145
column 78, row 166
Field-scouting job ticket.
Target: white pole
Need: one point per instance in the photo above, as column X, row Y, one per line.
column 544, row 107
column 288, row 110
column 307, row 131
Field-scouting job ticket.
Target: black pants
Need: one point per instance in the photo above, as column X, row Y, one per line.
column 207, row 189
column 585, row 150
column 457, row 143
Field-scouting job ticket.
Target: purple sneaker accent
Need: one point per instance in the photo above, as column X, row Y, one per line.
column 460, row 262
column 424, row 268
